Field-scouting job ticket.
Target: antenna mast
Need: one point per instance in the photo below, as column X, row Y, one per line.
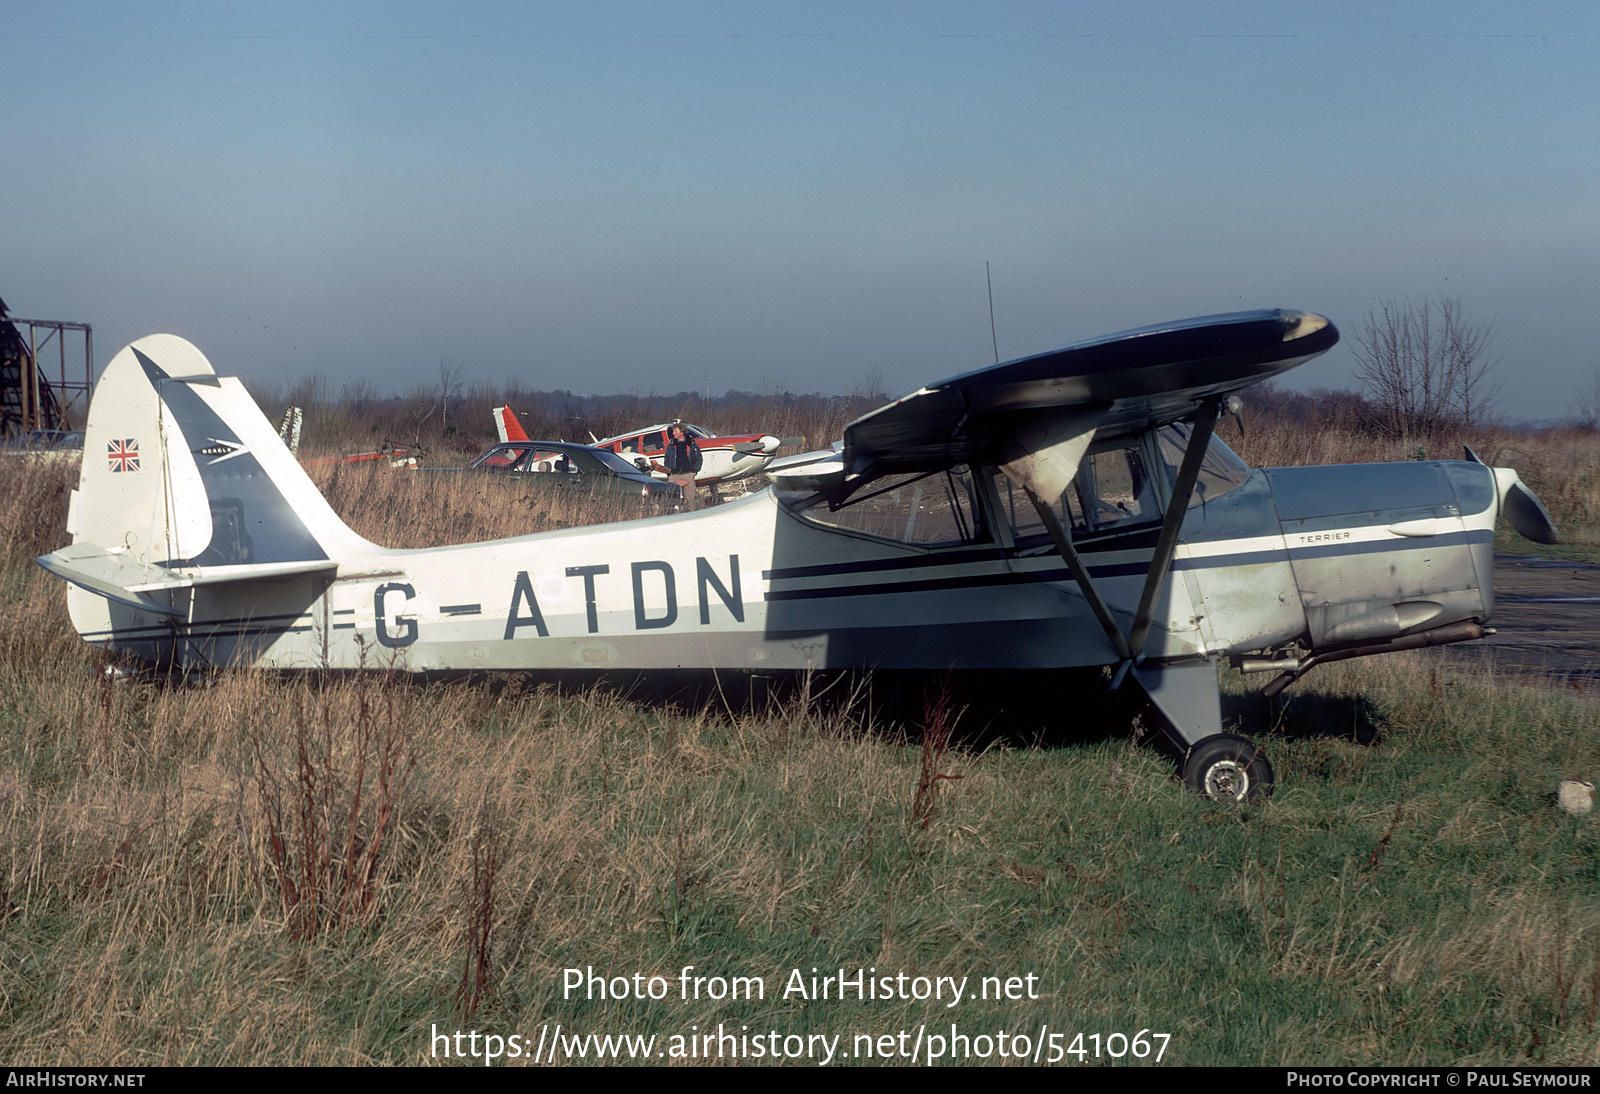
column 988, row 281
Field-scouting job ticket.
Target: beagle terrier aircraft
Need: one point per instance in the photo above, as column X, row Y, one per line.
column 1063, row 510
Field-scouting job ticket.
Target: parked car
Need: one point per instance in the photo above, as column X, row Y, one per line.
column 566, row 465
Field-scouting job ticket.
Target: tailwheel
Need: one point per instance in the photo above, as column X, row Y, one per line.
column 1228, row 768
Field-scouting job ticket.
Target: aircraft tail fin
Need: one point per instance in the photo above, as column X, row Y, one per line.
column 506, row 424
column 185, row 482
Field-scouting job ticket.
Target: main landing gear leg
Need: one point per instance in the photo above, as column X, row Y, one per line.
column 1215, row 764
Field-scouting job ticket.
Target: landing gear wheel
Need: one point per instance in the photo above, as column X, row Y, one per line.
column 1228, row 768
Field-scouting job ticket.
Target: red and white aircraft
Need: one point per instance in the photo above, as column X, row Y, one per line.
column 723, row 459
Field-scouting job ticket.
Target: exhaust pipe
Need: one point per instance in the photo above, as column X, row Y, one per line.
column 1438, row 636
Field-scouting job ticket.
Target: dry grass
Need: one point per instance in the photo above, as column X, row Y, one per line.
column 400, row 508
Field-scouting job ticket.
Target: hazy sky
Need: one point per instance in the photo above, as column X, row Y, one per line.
column 631, row 196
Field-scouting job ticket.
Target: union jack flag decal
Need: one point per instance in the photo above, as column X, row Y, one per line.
column 124, row 455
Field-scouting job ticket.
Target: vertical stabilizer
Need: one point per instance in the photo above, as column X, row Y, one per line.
column 181, row 470
column 506, row 424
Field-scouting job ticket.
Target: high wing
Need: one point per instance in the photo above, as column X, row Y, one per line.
column 1127, row 382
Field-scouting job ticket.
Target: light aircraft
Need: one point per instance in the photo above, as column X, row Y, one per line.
column 289, row 434
column 1063, row 510
column 723, row 459
column 576, row 470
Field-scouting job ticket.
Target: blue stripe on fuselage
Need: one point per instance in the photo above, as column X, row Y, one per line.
column 1109, row 569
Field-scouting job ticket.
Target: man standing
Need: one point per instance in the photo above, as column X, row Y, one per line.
column 683, row 460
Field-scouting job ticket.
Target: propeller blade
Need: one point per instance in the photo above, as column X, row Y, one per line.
column 1528, row 515
column 765, row 446
column 1520, row 505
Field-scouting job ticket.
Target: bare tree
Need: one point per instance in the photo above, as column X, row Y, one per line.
column 449, row 388
column 1425, row 366
column 1589, row 404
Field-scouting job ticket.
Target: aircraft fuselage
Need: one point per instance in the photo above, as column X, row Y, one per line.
column 954, row 577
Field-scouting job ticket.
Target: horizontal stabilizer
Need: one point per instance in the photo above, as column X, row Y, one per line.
column 117, row 576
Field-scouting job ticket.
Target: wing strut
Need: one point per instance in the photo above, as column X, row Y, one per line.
column 1205, row 422
column 1080, row 573
column 1043, row 457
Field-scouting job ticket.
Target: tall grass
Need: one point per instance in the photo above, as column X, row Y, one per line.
column 401, row 508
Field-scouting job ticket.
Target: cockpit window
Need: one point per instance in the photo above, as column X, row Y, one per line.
column 1116, row 490
column 1220, row 471
column 926, row 510
column 1112, row 492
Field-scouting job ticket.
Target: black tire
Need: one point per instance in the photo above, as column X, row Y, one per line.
column 1227, row 768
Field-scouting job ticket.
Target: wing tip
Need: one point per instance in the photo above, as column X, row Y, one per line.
column 1303, row 324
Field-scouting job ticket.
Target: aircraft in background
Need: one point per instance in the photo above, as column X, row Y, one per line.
column 1065, row 510
column 723, row 459
column 289, row 433
column 577, row 470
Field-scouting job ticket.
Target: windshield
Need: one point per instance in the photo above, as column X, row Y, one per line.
column 1111, row 494
column 1220, row 471
column 502, row 457
column 1114, row 493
